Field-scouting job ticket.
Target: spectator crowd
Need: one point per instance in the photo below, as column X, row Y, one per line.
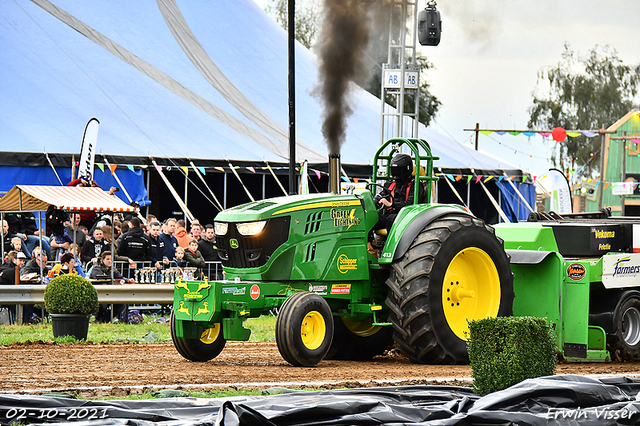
column 85, row 245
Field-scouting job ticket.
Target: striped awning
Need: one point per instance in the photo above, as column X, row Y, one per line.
column 69, row 198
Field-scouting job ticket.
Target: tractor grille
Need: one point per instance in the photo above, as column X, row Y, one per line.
column 238, row 251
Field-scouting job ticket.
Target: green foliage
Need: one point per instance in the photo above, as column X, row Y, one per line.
column 584, row 93
column 71, row 294
column 306, row 19
column 507, row 350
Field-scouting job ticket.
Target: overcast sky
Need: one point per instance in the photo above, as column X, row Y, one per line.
column 492, row 50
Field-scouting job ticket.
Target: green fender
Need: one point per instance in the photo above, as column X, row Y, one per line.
column 410, row 221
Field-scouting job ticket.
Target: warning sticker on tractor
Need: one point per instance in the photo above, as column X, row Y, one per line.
column 621, row 270
column 340, row 288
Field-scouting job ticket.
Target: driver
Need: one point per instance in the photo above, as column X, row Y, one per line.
column 398, row 192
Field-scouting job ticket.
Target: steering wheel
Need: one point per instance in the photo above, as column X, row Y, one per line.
column 369, row 187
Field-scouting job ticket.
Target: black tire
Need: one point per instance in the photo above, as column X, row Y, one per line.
column 358, row 340
column 625, row 342
column 429, row 315
column 304, row 329
column 206, row 348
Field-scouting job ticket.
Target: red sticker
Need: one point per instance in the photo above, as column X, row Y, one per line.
column 254, row 292
column 576, row 271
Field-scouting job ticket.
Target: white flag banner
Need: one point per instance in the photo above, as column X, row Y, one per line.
column 88, row 149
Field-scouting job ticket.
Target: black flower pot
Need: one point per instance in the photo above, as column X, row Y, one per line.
column 76, row 325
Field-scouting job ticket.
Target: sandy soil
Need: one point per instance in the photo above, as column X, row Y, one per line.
column 128, row 368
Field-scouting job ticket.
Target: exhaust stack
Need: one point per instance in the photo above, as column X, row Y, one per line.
column 334, row 173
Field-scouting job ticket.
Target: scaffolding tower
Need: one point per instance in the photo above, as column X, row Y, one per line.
column 401, row 75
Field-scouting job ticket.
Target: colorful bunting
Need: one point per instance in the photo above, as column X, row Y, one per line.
column 317, row 173
column 202, row 170
column 185, row 169
column 251, row 169
column 112, row 167
column 130, row 167
column 100, row 166
column 220, row 169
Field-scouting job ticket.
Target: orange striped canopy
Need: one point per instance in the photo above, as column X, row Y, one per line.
column 69, row 198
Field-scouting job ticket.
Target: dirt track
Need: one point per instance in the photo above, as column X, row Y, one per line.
column 125, row 368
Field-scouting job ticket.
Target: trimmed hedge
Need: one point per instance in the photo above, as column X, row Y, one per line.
column 507, row 350
column 71, row 294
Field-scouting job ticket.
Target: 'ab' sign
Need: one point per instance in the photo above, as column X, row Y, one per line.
column 392, row 79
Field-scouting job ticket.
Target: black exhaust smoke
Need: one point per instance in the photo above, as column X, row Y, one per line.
column 342, row 47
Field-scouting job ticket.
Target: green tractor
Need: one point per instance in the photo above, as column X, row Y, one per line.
column 306, row 257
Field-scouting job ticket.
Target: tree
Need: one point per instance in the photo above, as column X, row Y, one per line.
column 585, row 92
column 307, row 20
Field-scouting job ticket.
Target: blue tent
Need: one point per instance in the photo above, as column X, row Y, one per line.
column 170, row 80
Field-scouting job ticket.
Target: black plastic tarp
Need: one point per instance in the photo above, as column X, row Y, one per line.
column 553, row 400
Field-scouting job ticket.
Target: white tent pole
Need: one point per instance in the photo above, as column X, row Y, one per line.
column 199, row 173
column 182, row 205
column 495, row 203
column 519, row 194
column 54, row 169
column 118, row 180
column 240, row 180
column 455, row 192
column 277, row 180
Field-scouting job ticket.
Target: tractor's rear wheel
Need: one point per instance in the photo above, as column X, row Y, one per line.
column 625, row 343
column 207, row 347
column 304, row 329
column 455, row 270
column 358, row 340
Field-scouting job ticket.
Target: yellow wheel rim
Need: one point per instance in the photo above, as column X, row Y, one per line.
column 470, row 290
column 361, row 328
column 210, row 335
column 313, row 330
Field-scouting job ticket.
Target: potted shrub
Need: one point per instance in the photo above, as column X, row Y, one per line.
column 70, row 300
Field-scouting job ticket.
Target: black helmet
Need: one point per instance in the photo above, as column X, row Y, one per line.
column 401, row 166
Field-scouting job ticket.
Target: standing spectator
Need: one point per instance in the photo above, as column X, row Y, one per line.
column 182, row 235
column 157, row 244
column 135, row 243
column 93, row 248
column 196, row 231
column 194, row 258
column 179, row 260
column 207, row 245
column 170, row 242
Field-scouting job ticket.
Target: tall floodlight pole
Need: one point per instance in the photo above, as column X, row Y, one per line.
column 292, row 99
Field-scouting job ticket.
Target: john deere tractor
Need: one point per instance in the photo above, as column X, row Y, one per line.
column 437, row 267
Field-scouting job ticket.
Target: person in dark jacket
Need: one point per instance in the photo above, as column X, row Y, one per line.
column 170, row 242
column 23, row 224
column 103, row 271
column 38, row 259
column 15, row 261
column 194, row 258
column 93, row 248
column 135, row 243
column 399, row 192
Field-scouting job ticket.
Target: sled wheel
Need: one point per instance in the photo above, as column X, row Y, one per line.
column 626, row 320
column 456, row 270
column 304, row 329
column 207, row 347
column 358, row 340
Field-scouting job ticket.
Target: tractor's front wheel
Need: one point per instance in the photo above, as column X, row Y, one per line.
column 304, row 329
column 455, row 270
column 207, row 347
